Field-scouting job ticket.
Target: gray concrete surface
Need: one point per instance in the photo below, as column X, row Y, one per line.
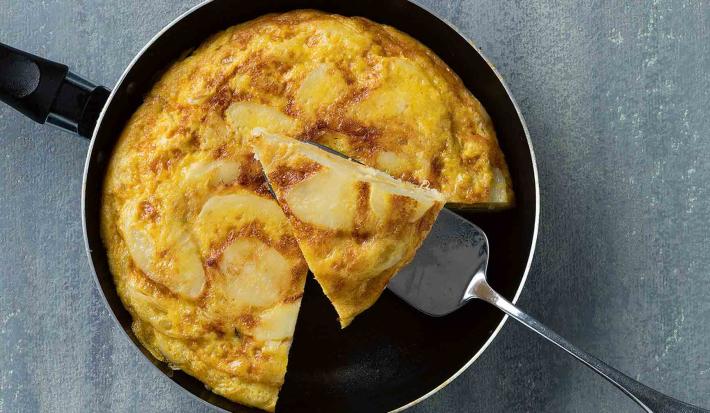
column 616, row 95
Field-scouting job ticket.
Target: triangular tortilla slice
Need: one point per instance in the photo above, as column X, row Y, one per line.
column 356, row 226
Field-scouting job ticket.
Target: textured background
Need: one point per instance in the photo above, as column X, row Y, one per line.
column 617, row 99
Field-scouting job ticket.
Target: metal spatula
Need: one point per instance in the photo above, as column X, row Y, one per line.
column 450, row 269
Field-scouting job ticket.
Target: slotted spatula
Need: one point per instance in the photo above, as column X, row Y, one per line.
column 450, row 269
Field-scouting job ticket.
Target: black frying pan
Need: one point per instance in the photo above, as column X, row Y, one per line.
column 392, row 356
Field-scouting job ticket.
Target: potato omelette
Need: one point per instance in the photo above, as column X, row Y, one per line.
column 356, row 226
column 203, row 257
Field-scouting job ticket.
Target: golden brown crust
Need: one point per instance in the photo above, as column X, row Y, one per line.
column 288, row 177
column 364, row 89
column 356, row 226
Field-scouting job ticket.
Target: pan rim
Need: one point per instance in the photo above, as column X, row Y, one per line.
column 533, row 243
column 87, row 164
column 536, row 223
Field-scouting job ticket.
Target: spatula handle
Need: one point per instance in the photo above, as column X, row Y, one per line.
column 650, row 400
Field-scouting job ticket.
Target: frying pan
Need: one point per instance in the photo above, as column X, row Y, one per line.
column 392, row 356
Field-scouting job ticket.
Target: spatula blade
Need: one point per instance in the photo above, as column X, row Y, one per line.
column 436, row 279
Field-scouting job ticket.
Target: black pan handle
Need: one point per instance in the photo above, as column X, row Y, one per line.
column 47, row 91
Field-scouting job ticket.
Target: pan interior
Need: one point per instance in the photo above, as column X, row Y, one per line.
column 392, row 354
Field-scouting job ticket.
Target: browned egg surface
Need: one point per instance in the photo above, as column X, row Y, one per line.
column 204, row 258
column 356, row 226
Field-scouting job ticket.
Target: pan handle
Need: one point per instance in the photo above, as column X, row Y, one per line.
column 47, row 91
